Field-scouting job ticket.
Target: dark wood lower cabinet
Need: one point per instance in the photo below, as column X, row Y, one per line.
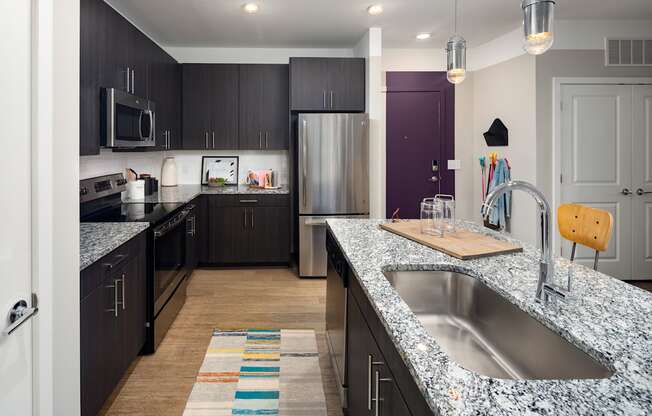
column 372, row 360
column 371, row 386
column 245, row 229
column 112, row 321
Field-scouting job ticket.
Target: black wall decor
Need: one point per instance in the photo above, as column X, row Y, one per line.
column 497, row 135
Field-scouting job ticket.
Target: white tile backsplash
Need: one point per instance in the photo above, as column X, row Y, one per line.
column 188, row 163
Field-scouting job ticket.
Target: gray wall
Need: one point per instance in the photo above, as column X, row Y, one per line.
column 565, row 63
column 507, row 91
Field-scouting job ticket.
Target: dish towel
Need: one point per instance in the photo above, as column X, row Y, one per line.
column 503, row 208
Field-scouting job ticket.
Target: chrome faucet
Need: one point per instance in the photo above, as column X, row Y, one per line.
column 545, row 286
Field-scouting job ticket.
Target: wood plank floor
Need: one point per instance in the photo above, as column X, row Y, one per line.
column 159, row 384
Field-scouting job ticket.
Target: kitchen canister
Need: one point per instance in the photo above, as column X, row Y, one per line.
column 169, row 172
column 136, row 189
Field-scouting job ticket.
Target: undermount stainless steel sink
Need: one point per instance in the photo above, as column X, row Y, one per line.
column 487, row 334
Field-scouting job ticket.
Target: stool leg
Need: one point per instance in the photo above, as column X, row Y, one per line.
column 572, row 258
column 595, row 263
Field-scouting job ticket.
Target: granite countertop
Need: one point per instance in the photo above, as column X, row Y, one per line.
column 608, row 319
column 186, row 193
column 96, row 240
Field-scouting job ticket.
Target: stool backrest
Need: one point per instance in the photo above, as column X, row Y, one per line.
column 590, row 227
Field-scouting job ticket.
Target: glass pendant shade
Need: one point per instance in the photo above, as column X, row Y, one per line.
column 538, row 17
column 456, row 59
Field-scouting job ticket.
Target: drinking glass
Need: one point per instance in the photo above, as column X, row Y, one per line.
column 448, row 212
column 431, row 217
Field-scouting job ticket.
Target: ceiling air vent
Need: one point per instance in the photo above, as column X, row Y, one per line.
column 628, row 52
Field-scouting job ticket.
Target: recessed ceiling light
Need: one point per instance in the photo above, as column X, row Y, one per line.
column 375, row 9
column 423, row 36
column 250, row 8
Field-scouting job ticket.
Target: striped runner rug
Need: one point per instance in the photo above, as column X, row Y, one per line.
column 259, row 372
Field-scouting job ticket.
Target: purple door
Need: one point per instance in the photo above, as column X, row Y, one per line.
column 420, row 126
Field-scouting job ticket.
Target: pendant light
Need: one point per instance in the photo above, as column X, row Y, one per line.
column 538, row 16
column 455, row 53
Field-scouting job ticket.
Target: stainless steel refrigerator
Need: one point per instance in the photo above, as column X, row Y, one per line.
column 333, row 177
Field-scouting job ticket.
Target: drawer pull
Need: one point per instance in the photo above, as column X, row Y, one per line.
column 248, row 201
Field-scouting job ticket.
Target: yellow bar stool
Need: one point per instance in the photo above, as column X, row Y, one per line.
column 590, row 227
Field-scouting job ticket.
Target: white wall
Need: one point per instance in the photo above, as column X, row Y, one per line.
column 55, row 210
column 590, row 34
column 431, row 59
column 370, row 48
column 251, row 55
column 507, row 91
column 188, row 163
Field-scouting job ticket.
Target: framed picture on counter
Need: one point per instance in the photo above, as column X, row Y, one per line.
column 219, row 170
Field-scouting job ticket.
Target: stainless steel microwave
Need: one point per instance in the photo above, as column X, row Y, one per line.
column 127, row 121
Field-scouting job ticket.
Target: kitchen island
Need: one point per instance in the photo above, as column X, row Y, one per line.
column 606, row 318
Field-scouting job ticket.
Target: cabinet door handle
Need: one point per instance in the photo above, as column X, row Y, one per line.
column 206, row 135
column 260, row 139
column 641, row 192
column 128, row 78
column 378, row 399
column 331, row 99
column 252, row 219
column 244, row 215
column 213, row 140
column 324, row 106
column 266, row 140
column 114, row 286
column 122, row 283
column 370, row 364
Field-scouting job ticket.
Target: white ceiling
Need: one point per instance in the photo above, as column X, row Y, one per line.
column 341, row 23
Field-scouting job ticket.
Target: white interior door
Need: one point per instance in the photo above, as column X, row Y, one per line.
column 596, row 147
column 642, row 183
column 15, row 184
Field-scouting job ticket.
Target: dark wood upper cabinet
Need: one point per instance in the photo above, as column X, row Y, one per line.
column 327, row 84
column 223, row 106
column 346, row 80
column 93, row 21
column 309, row 84
column 210, row 106
column 252, row 107
column 277, row 103
column 115, row 54
column 139, row 55
column 196, row 116
column 165, row 91
column 264, row 99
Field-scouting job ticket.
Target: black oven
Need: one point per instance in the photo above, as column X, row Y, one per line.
column 127, row 121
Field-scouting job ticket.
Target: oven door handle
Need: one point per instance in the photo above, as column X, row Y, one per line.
column 162, row 230
column 152, row 125
column 140, row 125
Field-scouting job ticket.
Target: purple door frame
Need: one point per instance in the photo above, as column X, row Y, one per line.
column 425, row 89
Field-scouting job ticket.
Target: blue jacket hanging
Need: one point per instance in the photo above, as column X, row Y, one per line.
column 502, row 209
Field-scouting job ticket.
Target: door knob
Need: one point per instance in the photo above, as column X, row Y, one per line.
column 626, row 192
column 641, row 192
column 20, row 313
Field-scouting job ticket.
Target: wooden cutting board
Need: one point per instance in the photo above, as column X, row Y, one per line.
column 463, row 244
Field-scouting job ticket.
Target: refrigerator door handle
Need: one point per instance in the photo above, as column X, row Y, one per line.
column 304, row 137
column 316, row 222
